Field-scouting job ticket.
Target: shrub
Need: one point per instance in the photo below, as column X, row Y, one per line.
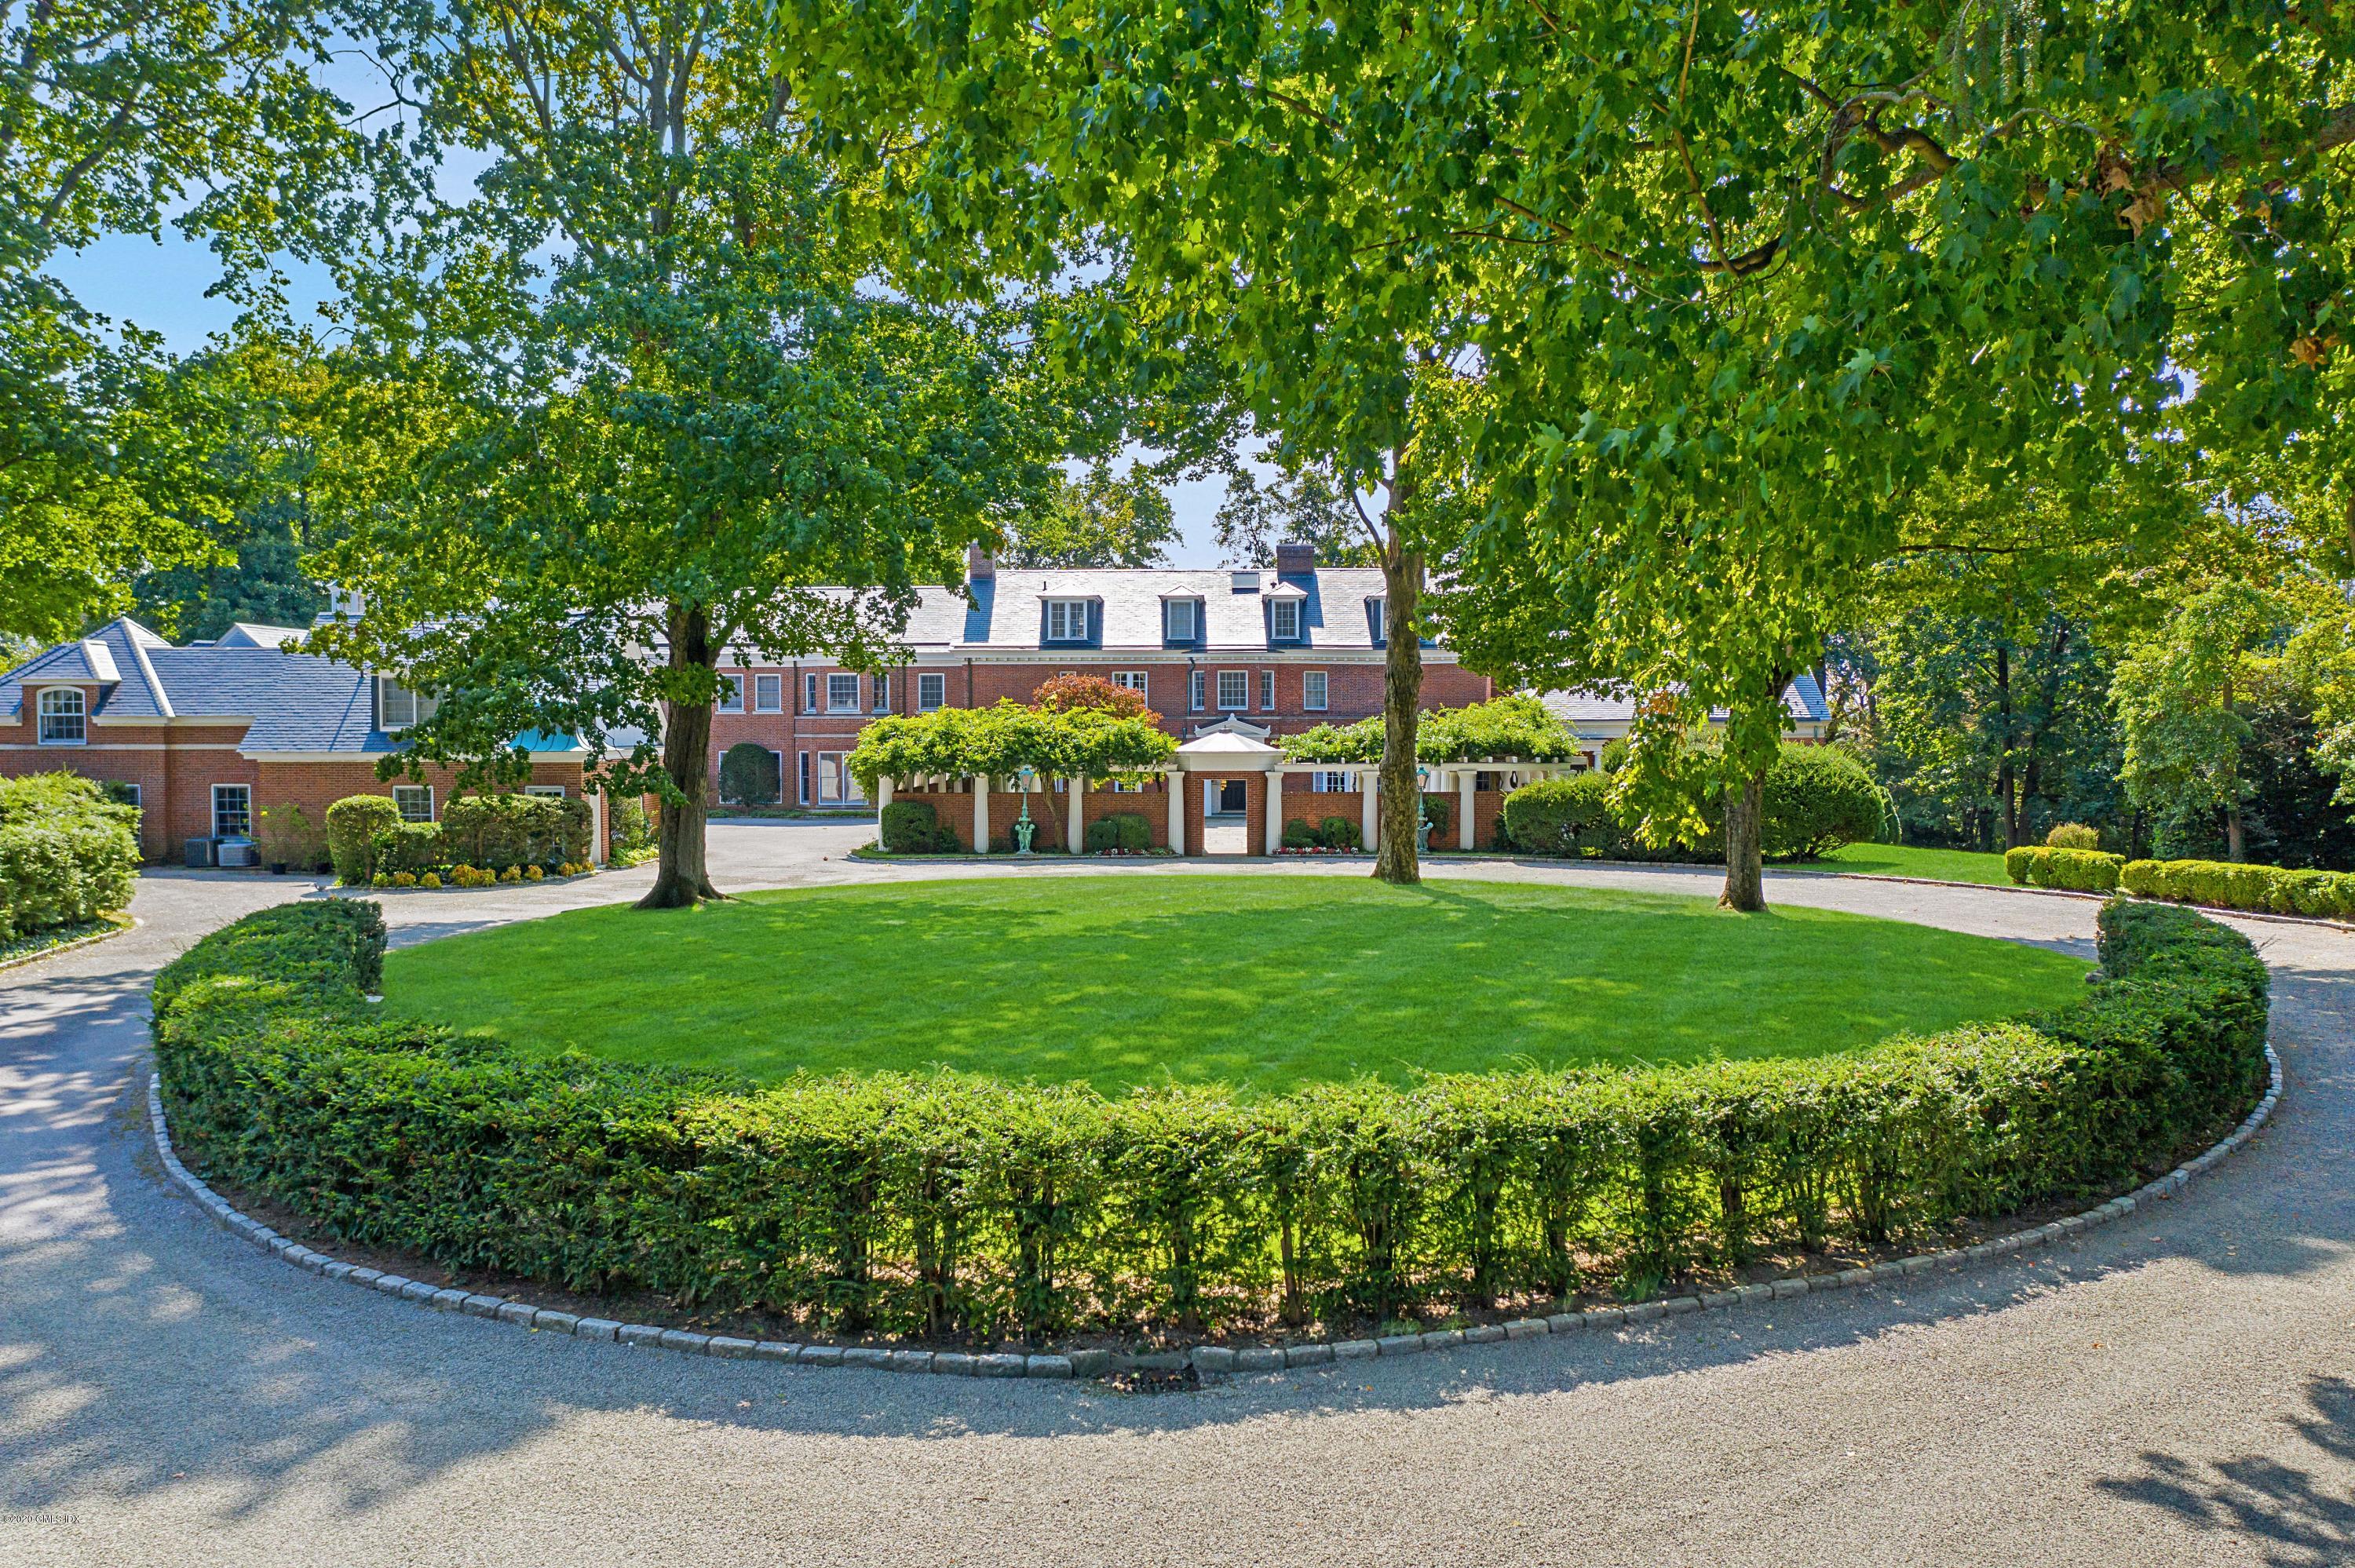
column 627, row 827
column 1299, row 835
column 1124, row 831
column 2077, row 870
column 1341, row 833
column 2073, row 835
column 1817, row 799
column 2330, row 895
column 289, row 837
column 948, row 1202
column 1568, row 816
column 1439, row 811
column 67, row 853
column 913, row 827
column 428, row 879
column 353, row 824
column 410, row 846
column 751, row 775
column 515, row 830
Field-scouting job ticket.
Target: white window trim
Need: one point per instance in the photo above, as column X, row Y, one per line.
column 554, row 791
column 936, row 682
column 882, row 702
column 42, row 716
column 405, row 817
column 1380, row 607
column 1267, row 691
column 1242, row 698
column 1193, row 608
column 137, row 796
column 247, row 792
column 1318, row 682
column 732, row 696
column 1280, row 611
column 1067, row 608
column 833, row 706
column 809, row 691
column 1195, row 693
column 777, row 684
column 1129, row 680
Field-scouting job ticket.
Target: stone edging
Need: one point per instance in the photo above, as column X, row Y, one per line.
column 1205, row 1359
column 129, row 925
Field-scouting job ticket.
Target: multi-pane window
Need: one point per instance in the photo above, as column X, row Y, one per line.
column 65, row 716
column 1312, row 691
column 769, row 694
column 553, row 791
column 1131, row 680
column 835, row 783
column 1181, row 618
column 731, row 694
column 1266, row 691
column 1067, row 620
column 232, row 810
column 415, row 800
column 931, row 692
column 1375, row 609
column 1194, row 691
column 842, row 693
column 809, row 692
column 1234, row 688
column 398, row 707
column 1283, row 619
column 882, row 693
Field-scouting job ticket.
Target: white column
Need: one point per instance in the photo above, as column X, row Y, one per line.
column 882, row 804
column 1370, row 811
column 1274, row 809
column 600, row 845
column 981, row 814
column 1076, row 789
column 1464, row 783
column 1179, row 784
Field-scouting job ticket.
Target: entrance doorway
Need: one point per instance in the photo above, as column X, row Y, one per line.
column 1224, row 798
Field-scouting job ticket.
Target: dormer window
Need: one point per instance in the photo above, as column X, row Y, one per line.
column 65, row 716
column 1067, row 620
column 398, row 707
column 1181, row 620
column 1375, row 617
column 1283, row 619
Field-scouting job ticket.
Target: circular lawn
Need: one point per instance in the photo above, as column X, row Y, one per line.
column 1261, row 982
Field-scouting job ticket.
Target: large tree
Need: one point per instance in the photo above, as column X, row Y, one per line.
column 627, row 410
column 1099, row 519
column 115, row 117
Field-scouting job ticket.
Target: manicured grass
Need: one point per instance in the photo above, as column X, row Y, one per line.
column 1912, row 860
column 1263, row 983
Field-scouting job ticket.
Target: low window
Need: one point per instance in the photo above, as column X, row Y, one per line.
column 1132, row 680
column 398, row 707
column 835, row 783
column 65, row 716
column 233, row 811
column 1234, row 688
column 554, row 791
column 1067, row 620
column 842, row 693
column 1312, row 691
column 1283, row 619
column 415, row 800
column 1181, row 620
column 1194, row 691
column 1266, row 690
column 122, row 794
column 768, row 693
column 932, row 692
column 731, row 694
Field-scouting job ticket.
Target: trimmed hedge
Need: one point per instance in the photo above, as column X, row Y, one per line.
column 950, row 1204
column 1817, row 797
column 514, row 831
column 354, row 826
column 913, row 827
column 2078, row 870
column 1127, row 831
column 2273, row 889
column 69, row 853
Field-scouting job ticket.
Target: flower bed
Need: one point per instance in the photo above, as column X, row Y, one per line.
column 947, row 1204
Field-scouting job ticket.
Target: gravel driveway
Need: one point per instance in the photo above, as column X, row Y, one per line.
column 2178, row 1389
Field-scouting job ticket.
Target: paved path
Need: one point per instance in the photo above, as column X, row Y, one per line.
column 2177, row 1390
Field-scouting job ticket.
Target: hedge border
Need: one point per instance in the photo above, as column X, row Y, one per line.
column 1202, row 1360
column 122, row 926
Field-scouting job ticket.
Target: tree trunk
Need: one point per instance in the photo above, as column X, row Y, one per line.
column 681, row 875
column 1745, row 862
column 2235, row 849
column 1396, row 856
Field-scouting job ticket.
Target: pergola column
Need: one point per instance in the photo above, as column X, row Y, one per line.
column 1464, row 780
column 882, row 804
column 1370, row 812
column 981, row 813
column 1077, row 789
column 1274, row 809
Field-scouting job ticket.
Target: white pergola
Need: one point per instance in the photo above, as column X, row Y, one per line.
column 1228, row 755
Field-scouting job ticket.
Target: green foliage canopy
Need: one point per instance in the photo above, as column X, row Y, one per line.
column 1002, row 740
column 1511, row 726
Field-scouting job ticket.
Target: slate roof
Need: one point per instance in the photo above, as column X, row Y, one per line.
column 297, row 702
column 1009, row 610
column 1802, row 699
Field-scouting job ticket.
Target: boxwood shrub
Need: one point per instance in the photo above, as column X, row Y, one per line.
column 946, row 1204
column 2226, row 885
column 69, row 853
column 1817, row 797
column 2078, row 870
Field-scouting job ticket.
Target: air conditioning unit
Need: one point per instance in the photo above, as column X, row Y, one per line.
column 234, row 852
column 198, row 851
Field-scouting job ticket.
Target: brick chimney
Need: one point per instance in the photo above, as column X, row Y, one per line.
column 979, row 563
column 1294, row 560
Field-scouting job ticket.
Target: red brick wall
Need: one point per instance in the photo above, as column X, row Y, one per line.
column 1046, row 809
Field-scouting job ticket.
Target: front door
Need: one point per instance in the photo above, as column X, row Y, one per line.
column 1231, row 798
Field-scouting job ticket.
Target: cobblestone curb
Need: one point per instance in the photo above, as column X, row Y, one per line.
column 128, row 925
column 1206, row 1361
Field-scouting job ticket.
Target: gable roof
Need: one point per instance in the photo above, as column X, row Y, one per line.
column 1007, row 614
